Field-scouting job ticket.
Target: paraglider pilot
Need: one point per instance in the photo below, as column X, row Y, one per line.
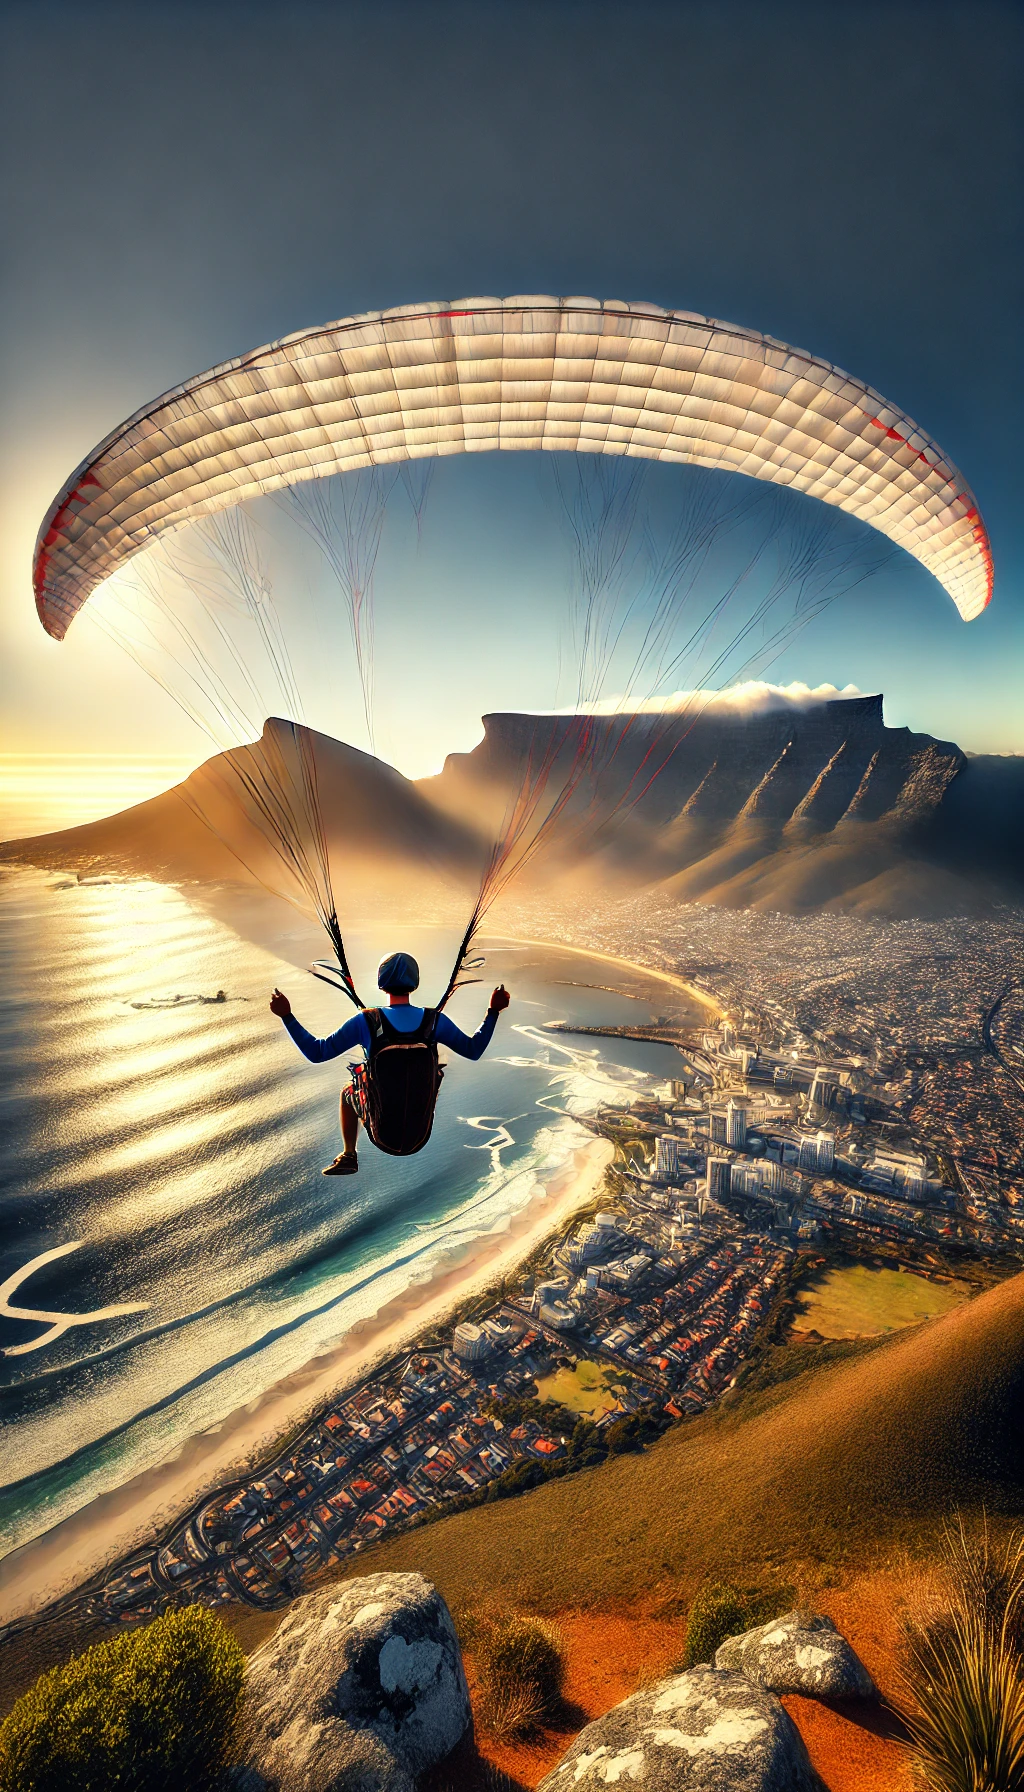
column 394, row 1092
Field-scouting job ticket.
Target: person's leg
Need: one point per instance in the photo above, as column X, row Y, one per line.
column 349, row 1125
column 347, row 1164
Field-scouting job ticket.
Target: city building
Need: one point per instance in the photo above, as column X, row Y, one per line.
column 826, row 1152
column 718, row 1177
column 590, row 1243
column 815, row 1152
column 623, row 1276
column 736, row 1125
column 770, row 1173
column 558, row 1314
column 550, row 1291
column 825, row 1088
column 470, row 1342
column 501, row 1332
column 666, row 1157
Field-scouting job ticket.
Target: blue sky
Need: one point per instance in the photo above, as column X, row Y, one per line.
column 185, row 182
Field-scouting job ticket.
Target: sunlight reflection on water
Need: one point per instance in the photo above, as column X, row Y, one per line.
column 40, row 793
column 182, row 1143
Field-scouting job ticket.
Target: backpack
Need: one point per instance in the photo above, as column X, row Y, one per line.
column 403, row 1076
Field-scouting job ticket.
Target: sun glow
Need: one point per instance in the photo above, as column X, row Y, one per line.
column 42, row 792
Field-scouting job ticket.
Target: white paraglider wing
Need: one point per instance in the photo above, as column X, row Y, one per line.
column 531, row 373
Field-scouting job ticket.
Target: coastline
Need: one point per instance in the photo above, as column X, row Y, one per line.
column 702, row 996
column 73, row 1551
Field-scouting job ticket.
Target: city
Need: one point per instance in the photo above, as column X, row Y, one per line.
column 801, row 1129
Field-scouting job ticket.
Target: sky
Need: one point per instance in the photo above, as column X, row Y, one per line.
column 185, row 182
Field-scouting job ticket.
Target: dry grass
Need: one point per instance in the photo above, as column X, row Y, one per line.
column 827, row 1473
column 963, row 1679
column 521, row 1661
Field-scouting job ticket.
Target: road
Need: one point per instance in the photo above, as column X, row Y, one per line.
column 987, row 1021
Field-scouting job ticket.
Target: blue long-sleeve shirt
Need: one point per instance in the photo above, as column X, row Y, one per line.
column 405, row 1019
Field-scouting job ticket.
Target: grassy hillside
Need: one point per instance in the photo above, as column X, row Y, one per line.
column 831, row 1467
column 835, row 1466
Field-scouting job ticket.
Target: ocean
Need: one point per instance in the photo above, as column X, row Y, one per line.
column 169, row 1247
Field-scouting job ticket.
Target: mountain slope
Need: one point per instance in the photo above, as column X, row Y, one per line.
column 793, row 807
column 205, row 828
column 796, row 807
column 841, row 1464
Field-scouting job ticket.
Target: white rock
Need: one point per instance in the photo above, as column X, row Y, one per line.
column 703, row 1731
column 798, row 1653
column 361, row 1687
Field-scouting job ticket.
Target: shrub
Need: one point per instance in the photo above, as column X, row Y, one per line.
column 717, row 1612
column 522, row 1670
column 962, row 1679
column 154, row 1708
column 633, row 1431
column 966, row 1722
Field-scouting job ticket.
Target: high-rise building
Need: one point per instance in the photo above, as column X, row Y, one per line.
column 666, row 1157
column 807, row 1151
column 826, row 1151
column 770, row 1173
column 736, row 1125
column 718, row 1177
column 718, row 1127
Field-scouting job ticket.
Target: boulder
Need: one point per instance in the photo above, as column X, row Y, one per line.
column 702, row 1731
column 361, row 1688
column 798, row 1653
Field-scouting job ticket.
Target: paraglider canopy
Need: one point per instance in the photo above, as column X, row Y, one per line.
column 528, row 373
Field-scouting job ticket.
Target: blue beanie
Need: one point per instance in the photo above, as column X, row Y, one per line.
column 398, row 974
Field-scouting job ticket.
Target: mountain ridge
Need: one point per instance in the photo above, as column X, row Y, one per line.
column 791, row 807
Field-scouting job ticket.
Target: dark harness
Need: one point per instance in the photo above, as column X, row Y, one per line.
column 396, row 1091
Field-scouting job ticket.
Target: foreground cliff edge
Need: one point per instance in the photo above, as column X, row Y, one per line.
column 815, row 1480
column 836, row 1467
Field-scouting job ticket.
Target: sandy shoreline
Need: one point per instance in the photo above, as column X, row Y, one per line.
column 645, row 970
column 115, row 1522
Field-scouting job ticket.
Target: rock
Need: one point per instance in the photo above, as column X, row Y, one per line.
column 328, row 1758
column 702, row 1731
column 360, row 1688
column 798, row 1653
column 242, row 1779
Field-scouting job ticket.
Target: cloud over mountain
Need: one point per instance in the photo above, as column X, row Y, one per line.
column 755, row 697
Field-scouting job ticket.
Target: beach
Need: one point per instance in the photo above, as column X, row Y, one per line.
column 73, row 1551
column 693, row 990
column 191, row 1169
